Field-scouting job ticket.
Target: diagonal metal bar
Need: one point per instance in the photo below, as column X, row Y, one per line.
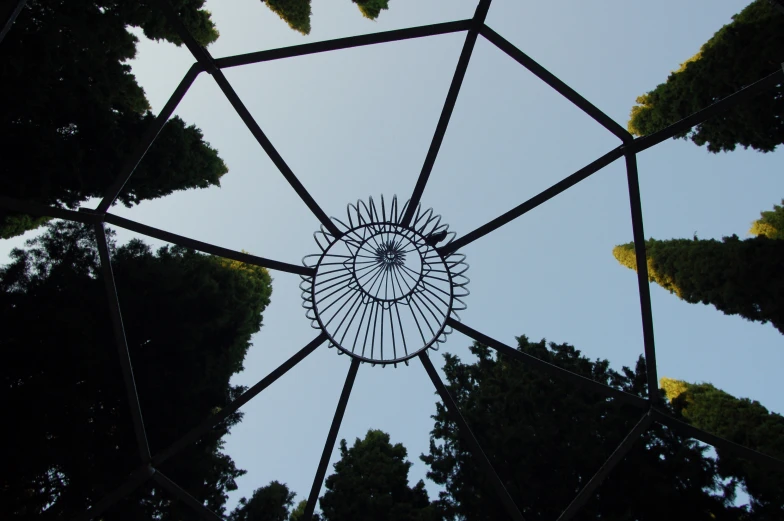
column 553, row 81
column 720, row 443
column 207, row 247
column 473, row 443
column 533, row 202
column 203, row 57
column 642, row 277
column 33, row 208
column 331, row 437
column 249, row 394
column 122, row 345
column 132, row 483
column 615, row 458
column 147, row 139
column 770, row 81
column 559, row 372
column 9, row 14
column 449, row 105
column 343, row 43
column 177, row 491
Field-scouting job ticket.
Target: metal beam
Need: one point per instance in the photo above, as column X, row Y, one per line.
column 533, row 202
column 473, row 443
column 177, row 491
column 449, row 104
column 587, row 383
column 646, row 142
column 331, row 437
column 227, row 411
column 684, row 429
column 122, row 345
column 10, row 13
column 642, row 277
column 33, row 208
column 147, row 139
column 208, row 64
column 132, row 483
column 343, row 43
column 208, row 248
column 615, row 458
column 562, row 88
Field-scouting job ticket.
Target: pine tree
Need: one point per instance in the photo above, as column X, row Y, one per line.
column 738, row 277
column 370, row 483
column 742, row 421
column 740, row 53
column 270, row 503
column 74, row 112
column 770, row 224
column 188, row 320
column 546, row 438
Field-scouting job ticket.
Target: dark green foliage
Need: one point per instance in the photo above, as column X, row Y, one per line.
column 770, row 224
column 740, row 53
column 188, row 319
column 296, row 13
column 370, row 483
column 739, row 277
column 74, row 112
column 546, row 438
column 270, row 503
column 742, row 421
column 371, row 8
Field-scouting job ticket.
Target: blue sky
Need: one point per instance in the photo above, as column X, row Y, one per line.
column 358, row 122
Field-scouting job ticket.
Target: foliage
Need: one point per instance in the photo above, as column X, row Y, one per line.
column 77, row 112
column 742, row 421
column 270, row 503
column 770, row 224
column 740, row 53
column 370, row 483
column 188, row 319
column 371, row 8
column 547, row 438
column 296, row 13
column 738, row 277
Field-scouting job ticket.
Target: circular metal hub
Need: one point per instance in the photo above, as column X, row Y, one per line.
column 383, row 290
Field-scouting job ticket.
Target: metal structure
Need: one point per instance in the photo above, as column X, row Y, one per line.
column 388, row 260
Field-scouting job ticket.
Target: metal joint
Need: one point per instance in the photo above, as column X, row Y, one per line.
column 96, row 215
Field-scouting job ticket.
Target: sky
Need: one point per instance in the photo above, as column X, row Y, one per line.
column 358, row 123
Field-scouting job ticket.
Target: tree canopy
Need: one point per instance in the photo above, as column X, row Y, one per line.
column 546, row 438
column 269, row 503
column 78, row 113
column 770, row 224
column 297, row 13
column 742, row 421
column 738, row 277
column 188, row 320
column 370, row 482
column 740, row 53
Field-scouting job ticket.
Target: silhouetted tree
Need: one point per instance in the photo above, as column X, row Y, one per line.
column 188, row 321
column 297, row 13
column 740, row 53
column 742, row 421
column 547, row 438
column 770, row 224
column 371, row 483
column 270, row 503
column 738, row 277
column 73, row 112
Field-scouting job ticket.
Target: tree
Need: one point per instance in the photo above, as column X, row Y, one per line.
column 188, row 321
column 740, row 53
column 296, row 13
column 742, row 421
column 546, row 438
column 270, row 503
column 770, row 224
column 370, row 483
column 739, row 277
column 74, row 112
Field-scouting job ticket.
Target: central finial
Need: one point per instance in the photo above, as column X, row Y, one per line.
column 382, row 290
